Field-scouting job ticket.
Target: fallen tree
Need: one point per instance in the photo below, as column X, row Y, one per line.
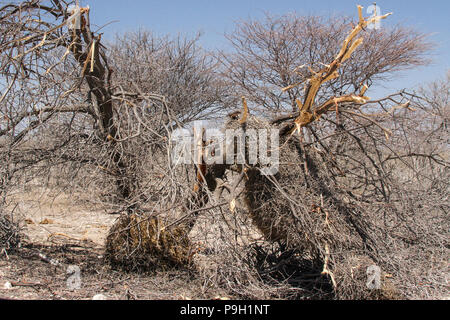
column 356, row 189
column 337, row 204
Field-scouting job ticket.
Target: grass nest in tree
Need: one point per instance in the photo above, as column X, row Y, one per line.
column 302, row 208
column 327, row 240
column 143, row 243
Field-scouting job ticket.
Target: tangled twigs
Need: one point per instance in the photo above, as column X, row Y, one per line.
column 344, row 197
column 10, row 234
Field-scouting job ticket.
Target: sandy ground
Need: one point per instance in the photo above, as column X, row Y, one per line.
column 63, row 258
column 55, row 216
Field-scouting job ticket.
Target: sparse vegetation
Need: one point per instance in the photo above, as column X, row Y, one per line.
column 361, row 183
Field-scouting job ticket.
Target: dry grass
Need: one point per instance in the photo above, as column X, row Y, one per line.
column 10, row 234
column 137, row 242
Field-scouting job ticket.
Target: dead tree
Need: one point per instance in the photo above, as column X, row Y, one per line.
column 278, row 51
column 97, row 99
column 337, row 191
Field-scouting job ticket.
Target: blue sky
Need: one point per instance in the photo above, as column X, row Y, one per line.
column 213, row 18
